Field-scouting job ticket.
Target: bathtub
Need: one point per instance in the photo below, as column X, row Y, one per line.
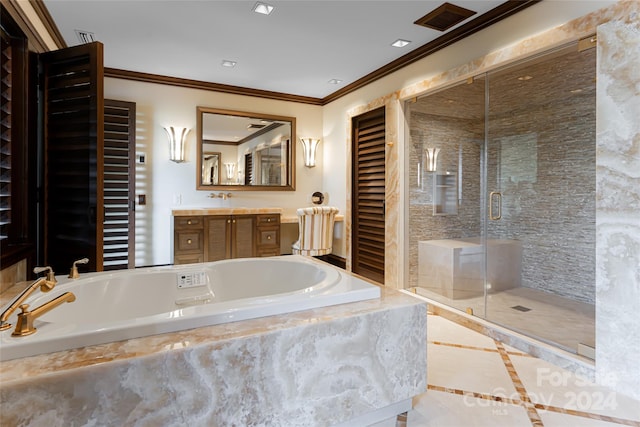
column 128, row 304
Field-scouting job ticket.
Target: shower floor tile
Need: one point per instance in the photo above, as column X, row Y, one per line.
column 473, row 380
column 551, row 318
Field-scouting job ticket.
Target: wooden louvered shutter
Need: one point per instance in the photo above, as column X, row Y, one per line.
column 6, row 138
column 73, row 100
column 368, row 236
column 17, row 215
column 119, row 184
column 248, row 169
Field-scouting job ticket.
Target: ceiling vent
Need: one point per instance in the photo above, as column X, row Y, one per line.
column 255, row 126
column 85, row 36
column 445, row 17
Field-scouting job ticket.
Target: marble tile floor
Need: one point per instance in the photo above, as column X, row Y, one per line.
column 474, row 380
column 546, row 312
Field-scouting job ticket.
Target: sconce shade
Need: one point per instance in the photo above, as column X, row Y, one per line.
column 177, row 138
column 431, row 159
column 309, row 146
column 231, row 170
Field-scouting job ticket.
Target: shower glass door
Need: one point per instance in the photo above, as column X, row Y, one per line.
column 540, row 197
column 502, row 196
column 446, row 150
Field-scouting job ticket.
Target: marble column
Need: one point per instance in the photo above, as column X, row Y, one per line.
column 618, row 206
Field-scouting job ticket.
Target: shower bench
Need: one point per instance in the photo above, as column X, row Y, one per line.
column 454, row 267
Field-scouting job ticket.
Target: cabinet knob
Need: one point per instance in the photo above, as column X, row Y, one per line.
column 189, row 222
column 234, row 221
column 228, row 221
column 188, row 241
column 268, row 219
column 268, row 237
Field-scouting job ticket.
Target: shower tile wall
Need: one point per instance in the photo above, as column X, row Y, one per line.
column 546, row 137
column 544, row 129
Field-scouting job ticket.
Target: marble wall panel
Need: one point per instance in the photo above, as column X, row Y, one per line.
column 618, row 206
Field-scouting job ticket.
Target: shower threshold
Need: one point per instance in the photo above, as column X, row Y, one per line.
column 518, row 329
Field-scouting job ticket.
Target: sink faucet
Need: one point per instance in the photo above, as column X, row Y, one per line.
column 24, row 325
column 46, row 283
column 223, row 196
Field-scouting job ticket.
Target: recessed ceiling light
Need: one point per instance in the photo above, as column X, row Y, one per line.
column 524, row 78
column 262, row 8
column 335, row 81
column 400, row 43
column 227, row 63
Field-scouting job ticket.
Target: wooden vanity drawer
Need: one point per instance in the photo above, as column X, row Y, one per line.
column 189, row 241
column 269, row 236
column 188, row 222
column 267, row 219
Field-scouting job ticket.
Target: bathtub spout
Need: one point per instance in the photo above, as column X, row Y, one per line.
column 45, row 283
column 24, row 325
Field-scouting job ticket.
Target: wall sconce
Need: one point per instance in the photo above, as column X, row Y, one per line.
column 231, row 170
column 431, row 159
column 177, row 139
column 309, row 146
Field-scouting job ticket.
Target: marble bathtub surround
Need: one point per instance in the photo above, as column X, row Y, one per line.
column 317, row 367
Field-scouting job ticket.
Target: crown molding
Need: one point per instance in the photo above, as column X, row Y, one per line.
column 216, row 87
column 483, row 21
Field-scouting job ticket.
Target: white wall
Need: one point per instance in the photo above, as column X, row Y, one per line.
column 170, row 185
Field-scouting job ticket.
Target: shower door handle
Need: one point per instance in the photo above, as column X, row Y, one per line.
column 497, row 196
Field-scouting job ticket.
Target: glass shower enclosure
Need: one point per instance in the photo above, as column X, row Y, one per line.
column 502, row 196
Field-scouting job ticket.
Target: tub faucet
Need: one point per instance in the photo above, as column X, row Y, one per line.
column 46, row 283
column 74, row 269
column 24, row 325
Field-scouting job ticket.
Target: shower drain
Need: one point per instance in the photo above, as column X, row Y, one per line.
column 521, row 308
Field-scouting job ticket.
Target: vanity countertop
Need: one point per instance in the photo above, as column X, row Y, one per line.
column 224, row 211
column 285, row 217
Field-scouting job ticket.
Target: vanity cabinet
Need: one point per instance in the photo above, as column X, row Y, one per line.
column 215, row 237
column 230, row 236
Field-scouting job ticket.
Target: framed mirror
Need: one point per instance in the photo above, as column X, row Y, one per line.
column 246, row 151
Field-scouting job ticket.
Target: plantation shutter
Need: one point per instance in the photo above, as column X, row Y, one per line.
column 119, row 184
column 73, row 100
column 368, row 191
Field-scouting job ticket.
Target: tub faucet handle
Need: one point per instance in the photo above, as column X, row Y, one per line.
column 74, row 268
column 50, row 280
column 44, row 283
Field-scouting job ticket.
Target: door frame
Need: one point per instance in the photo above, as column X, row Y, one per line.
column 394, row 183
